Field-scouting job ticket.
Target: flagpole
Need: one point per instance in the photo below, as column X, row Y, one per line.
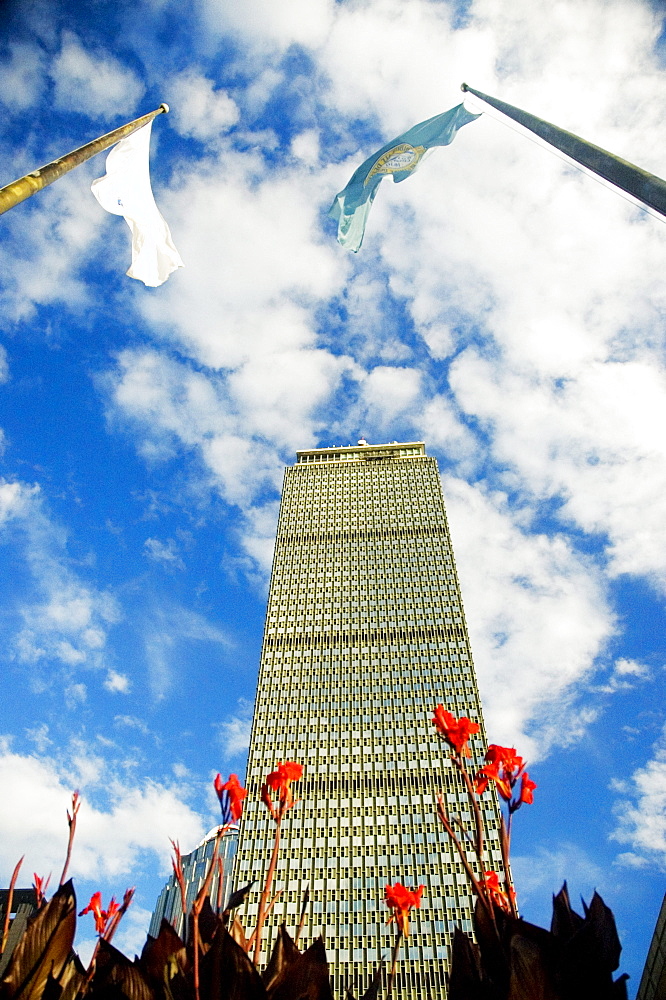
column 16, row 192
column 646, row 188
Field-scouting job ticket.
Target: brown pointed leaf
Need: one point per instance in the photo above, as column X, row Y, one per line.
column 285, row 953
column 164, row 956
column 619, row 988
column 227, row 973
column 565, row 921
column 465, row 978
column 307, row 979
column 72, row 978
column 208, row 923
column 236, row 898
column 116, row 977
column 493, row 941
column 591, row 955
column 604, row 933
column 238, row 934
column 44, row 949
column 533, row 975
column 69, row 982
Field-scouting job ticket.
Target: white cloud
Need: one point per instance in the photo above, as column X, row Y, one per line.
column 235, row 732
column 199, row 111
column 117, row 683
column 262, row 23
column 625, row 675
column 163, row 552
column 305, row 146
column 140, row 817
column 164, row 628
column 41, row 738
column 641, row 812
column 237, row 426
column 21, row 76
column 66, row 619
column 257, row 263
column 46, row 245
column 537, row 615
column 546, row 870
column 93, row 83
column 388, row 391
column 131, row 722
column 592, row 441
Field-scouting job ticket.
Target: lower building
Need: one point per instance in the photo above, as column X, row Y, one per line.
column 195, row 867
column 24, row 904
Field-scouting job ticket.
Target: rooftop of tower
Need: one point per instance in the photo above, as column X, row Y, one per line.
column 362, row 451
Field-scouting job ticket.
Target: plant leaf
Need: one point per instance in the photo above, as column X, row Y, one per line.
column 285, row 953
column 164, row 956
column 465, row 977
column 532, row 972
column 238, row 934
column 565, row 921
column 307, row 979
column 493, row 941
column 236, row 898
column 208, row 922
column 115, row 974
column 226, row 973
column 72, row 977
column 604, row 932
column 44, row 948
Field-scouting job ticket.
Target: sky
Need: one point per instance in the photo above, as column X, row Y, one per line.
column 505, row 308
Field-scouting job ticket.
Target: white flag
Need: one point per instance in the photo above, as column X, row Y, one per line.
column 125, row 190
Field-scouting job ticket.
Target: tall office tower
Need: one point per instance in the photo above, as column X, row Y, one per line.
column 364, row 635
column 195, row 867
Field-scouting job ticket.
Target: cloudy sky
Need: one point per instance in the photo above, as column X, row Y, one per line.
column 505, row 308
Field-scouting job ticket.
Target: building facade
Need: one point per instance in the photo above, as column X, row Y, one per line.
column 364, row 635
column 653, row 981
column 195, row 867
column 24, row 904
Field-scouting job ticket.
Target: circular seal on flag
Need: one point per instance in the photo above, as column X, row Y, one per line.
column 393, row 161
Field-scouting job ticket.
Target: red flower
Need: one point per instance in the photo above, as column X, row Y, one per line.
column 41, row 886
column 280, row 781
column 456, row 732
column 101, row 916
column 506, row 756
column 526, row 789
column 498, row 895
column 231, row 794
column 495, row 773
column 401, row 900
column 505, row 767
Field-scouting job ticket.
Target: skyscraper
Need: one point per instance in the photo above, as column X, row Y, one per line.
column 364, row 635
column 195, row 867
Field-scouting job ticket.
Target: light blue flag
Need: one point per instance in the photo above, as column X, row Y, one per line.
column 400, row 157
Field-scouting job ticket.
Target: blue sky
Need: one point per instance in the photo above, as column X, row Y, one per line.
column 505, row 308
